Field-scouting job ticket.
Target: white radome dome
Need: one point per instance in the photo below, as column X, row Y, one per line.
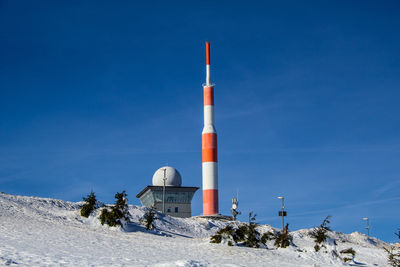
column 173, row 177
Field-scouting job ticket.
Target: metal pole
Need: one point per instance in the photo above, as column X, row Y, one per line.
column 367, row 227
column 163, row 198
column 283, row 217
column 282, row 211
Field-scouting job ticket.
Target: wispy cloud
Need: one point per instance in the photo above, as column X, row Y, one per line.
column 347, row 206
column 246, row 111
column 337, row 208
column 324, row 149
column 387, row 187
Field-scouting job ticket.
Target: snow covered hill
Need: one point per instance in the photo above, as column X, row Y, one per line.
column 49, row 232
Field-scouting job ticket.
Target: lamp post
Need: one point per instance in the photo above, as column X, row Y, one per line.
column 163, row 196
column 282, row 212
column 367, row 227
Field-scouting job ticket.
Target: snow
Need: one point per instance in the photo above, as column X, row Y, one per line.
column 49, row 232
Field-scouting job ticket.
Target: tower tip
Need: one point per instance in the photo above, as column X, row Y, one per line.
column 208, row 53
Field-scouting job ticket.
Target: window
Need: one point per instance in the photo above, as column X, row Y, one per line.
column 169, row 210
column 173, row 197
column 147, row 199
column 176, row 209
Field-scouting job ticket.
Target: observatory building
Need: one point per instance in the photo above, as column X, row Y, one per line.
column 167, row 186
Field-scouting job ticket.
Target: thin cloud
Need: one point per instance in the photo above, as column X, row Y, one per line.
column 350, row 206
column 332, row 210
column 387, row 187
column 326, row 149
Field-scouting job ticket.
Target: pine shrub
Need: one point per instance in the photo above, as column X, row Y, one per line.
column 245, row 234
column 267, row 237
column 252, row 236
column 107, row 217
column 148, row 218
column 240, row 233
column 120, row 208
column 351, row 252
column 117, row 214
column 217, row 238
column 283, row 239
column 226, row 233
column 394, row 254
column 90, row 205
column 320, row 233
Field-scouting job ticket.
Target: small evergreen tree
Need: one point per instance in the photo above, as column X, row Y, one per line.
column 393, row 255
column 107, row 217
column 148, row 218
column 120, row 208
column 266, row 237
column 245, row 234
column 349, row 251
column 227, row 233
column 90, row 205
column 117, row 214
column 283, row 239
column 394, row 258
column 252, row 236
column 320, row 233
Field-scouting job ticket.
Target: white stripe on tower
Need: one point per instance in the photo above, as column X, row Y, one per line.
column 209, row 146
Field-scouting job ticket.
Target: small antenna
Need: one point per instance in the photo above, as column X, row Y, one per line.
column 235, row 204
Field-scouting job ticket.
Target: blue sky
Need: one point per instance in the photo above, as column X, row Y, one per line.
column 99, row 94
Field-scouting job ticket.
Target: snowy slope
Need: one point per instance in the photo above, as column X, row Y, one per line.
column 48, row 232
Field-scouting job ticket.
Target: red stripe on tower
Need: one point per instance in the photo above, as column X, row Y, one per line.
column 209, row 142
column 209, row 146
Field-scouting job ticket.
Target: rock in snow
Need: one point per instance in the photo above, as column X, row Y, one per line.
column 48, row 232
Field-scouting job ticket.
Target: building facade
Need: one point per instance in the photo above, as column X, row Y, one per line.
column 167, row 193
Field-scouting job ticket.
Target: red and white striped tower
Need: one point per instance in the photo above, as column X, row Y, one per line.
column 209, row 146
